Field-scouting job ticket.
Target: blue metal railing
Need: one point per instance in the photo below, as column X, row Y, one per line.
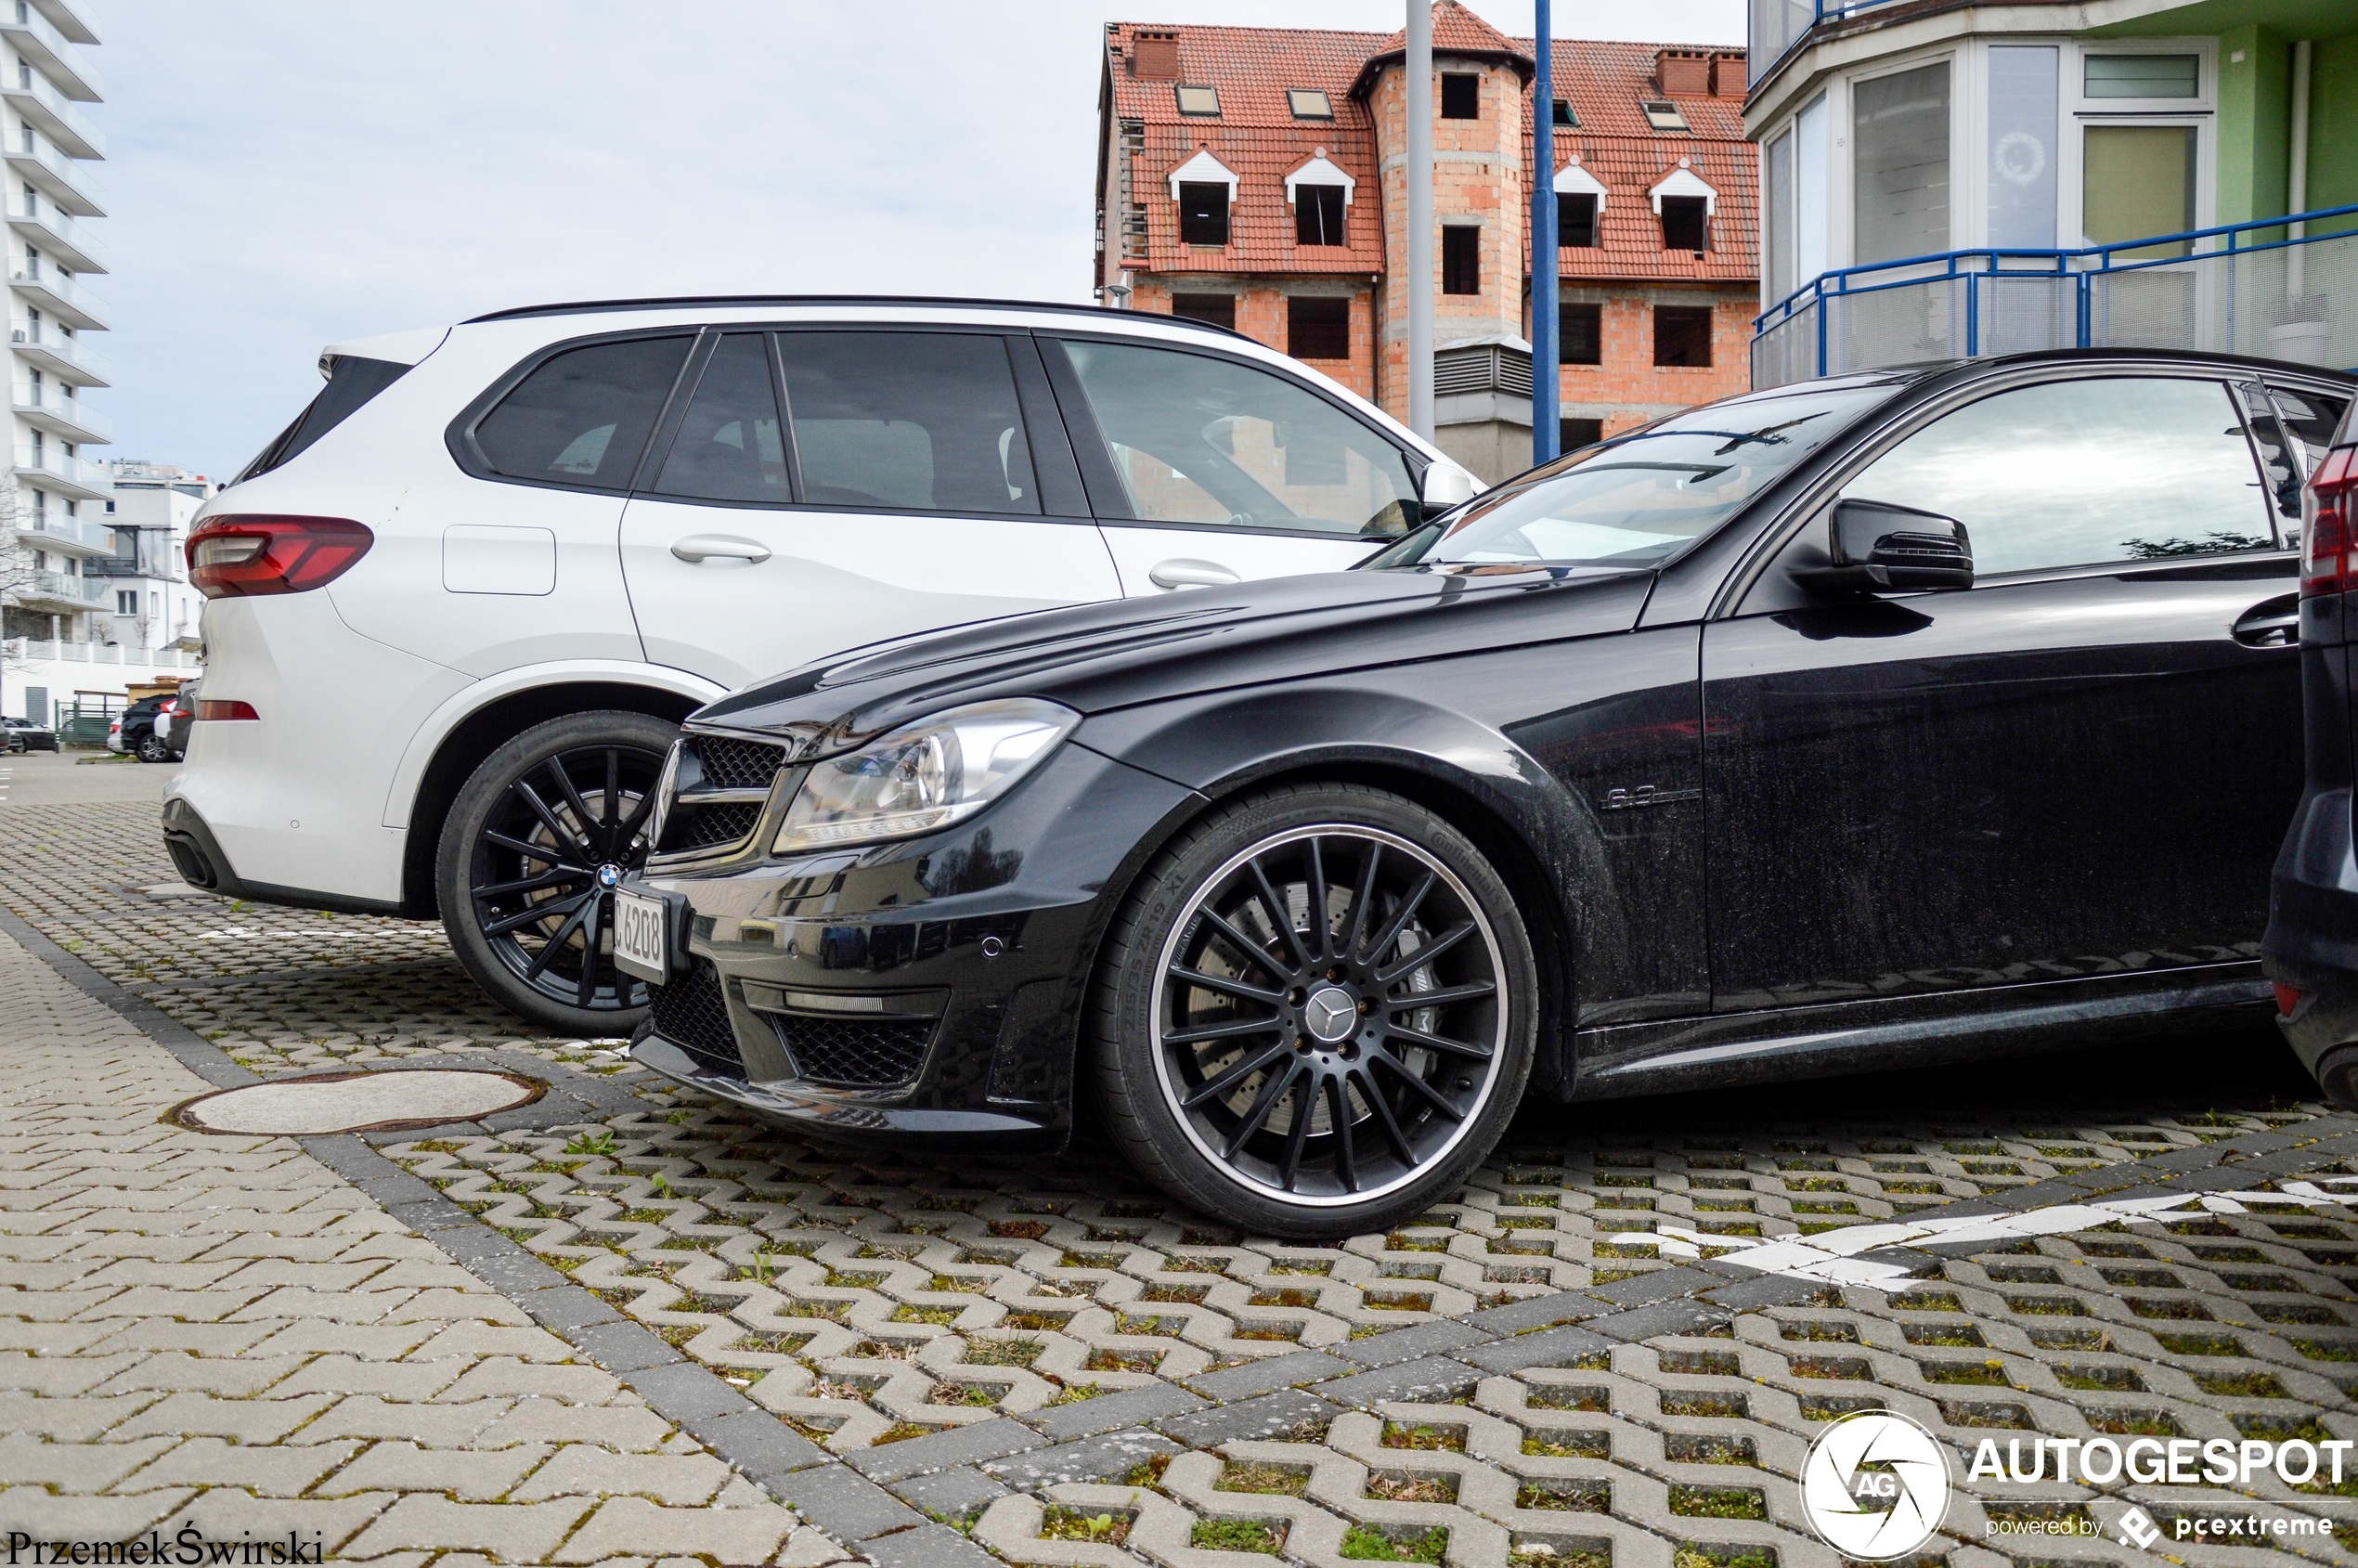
column 2080, row 271
column 1786, row 23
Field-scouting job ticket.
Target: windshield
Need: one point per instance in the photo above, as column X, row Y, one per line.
column 1638, row 499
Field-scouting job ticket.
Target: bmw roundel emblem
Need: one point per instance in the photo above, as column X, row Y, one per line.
column 609, row 875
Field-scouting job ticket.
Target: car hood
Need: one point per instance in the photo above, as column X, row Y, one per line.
column 1096, row 657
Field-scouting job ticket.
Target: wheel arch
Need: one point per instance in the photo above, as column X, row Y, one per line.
column 481, row 730
column 1501, row 806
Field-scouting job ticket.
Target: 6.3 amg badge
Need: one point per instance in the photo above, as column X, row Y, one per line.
column 1875, row 1485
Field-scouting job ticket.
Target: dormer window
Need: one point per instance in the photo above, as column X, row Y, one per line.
column 1564, row 116
column 1309, row 103
column 1663, row 115
column 1320, row 193
column 1202, row 102
column 1580, row 203
column 1685, row 205
column 1204, row 188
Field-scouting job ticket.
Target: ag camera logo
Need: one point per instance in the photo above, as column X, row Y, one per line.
column 1875, row 1485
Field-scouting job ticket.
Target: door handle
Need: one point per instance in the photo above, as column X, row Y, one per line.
column 700, row 547
column 1184, row 573
column 2272, row 623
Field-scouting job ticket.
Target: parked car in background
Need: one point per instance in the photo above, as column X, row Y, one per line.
column 134, row 730
column 1945, row 712
column 541, row 538
column 179, row 719
column 2312, row 916
column 26, row 734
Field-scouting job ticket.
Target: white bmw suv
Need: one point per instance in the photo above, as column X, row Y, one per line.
column 538, row 539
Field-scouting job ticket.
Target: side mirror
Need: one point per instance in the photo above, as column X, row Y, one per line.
column 1445, row 485
column 1876, row 547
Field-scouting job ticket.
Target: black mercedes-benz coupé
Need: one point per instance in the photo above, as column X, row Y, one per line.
column 1940, row 712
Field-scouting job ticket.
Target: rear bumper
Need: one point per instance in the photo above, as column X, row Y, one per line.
column 2312, row 944
column 197, row 855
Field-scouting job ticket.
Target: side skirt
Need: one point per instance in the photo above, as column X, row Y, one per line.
column 1885, row 1034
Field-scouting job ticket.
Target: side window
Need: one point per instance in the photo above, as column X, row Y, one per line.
column 908, row 421
column 2310, row 419
column 2082, row 473
column 728, row 449
column 1197, row 439
column 585, row 415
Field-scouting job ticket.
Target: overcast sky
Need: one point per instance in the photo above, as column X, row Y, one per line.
column 281, row 174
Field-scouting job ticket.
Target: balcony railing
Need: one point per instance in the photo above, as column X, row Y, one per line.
column 1778, row 26
column 2249, row 287
column 38, row 41
column 46, row 460
column 82, row 421
column 69, row 241
column 53, row 530
column 69, row 181
column 40, row 102
column 61, row 288
column 55, row 588
column 44, row 340
column 40, row 651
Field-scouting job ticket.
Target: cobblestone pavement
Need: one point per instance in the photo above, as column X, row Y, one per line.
column 1062, row 1364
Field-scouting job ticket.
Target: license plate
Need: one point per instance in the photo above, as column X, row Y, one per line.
column 641, row 945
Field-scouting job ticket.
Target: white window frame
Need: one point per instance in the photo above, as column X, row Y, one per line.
column 1842, row 195
column 2081, row 111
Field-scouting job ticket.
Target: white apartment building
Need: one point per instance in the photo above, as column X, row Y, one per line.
column 53, row 508
column 154, row 607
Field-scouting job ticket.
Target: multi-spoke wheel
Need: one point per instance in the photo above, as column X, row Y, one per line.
column 1315, row 1011
column 533, row 848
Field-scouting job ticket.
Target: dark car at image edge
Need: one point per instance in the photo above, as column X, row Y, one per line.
column 1869, row 723
column 2313, row 927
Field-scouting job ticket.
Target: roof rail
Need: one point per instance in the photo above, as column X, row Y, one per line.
column 690, row 302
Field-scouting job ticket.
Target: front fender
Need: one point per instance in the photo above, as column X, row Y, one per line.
column 1543, row 841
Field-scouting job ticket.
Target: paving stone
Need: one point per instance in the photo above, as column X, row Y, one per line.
column 1676, row 1316
column 1248, row 1421
column 74, row 1466
column 279, row 1470
column 928, row 1546
column 634, row 1524
column 1654, row 1286
column 468, row 1475
column 756, row 1441
column 1436, row 1338
column 1108, row 1457
column 959, row 1445
column 510, row 1532
column 1536, row 1312
column 843, row 1503
column 1273, row 1372
column 1429, row 1378
column 1108, row 1411
column 950, row 1494
column 1545, row 1347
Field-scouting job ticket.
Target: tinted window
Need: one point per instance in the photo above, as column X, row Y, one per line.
column 352, row 381
column 1640, row 498
column 728, row 449
column 913, row 421
column 2082, row 472
column 2310, row 419
column 1197, row 439
column 585, row 415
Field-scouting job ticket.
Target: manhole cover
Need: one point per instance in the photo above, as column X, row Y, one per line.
column 357, row 1102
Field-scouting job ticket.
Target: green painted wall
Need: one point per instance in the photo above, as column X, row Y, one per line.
column 2333, row 122
column 2254, row 123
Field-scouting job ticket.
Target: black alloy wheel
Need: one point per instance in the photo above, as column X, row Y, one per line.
column 531, row 853
column 1316, row 1013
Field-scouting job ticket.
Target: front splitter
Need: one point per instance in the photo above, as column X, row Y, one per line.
column 778, row 1103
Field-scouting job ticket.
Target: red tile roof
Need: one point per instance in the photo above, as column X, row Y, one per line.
column 1257, row 137
column 1605, row 83
column 1456, row 31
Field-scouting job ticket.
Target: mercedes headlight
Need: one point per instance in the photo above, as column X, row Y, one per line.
column 924, row 776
